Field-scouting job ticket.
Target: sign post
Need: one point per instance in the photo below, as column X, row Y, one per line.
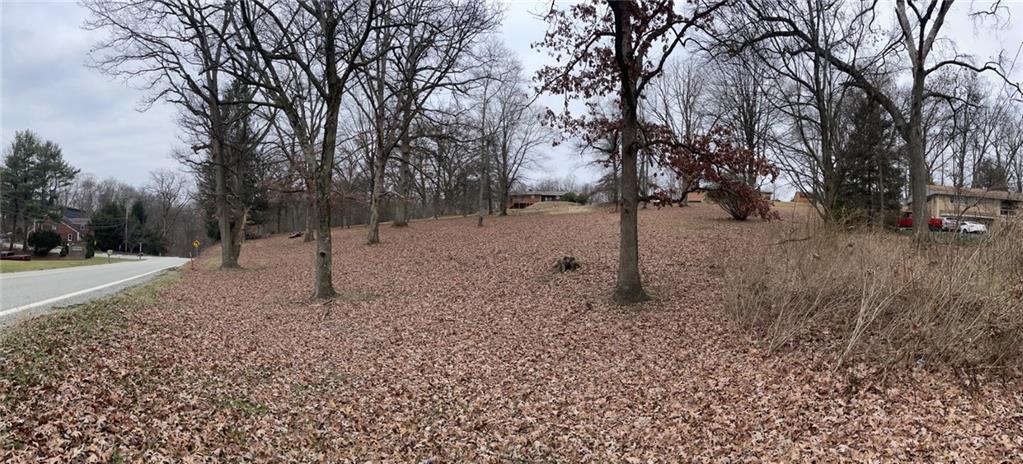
column 195, row 244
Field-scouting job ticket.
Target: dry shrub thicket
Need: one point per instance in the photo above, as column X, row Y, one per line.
column 875, row 295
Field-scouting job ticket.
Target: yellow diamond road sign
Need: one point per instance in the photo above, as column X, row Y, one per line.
column 195, row 243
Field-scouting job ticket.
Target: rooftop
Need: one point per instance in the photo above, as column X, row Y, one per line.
column 974, row 193
column 541, row 193
column 74, row 213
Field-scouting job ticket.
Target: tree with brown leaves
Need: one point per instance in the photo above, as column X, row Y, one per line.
column 619, row 47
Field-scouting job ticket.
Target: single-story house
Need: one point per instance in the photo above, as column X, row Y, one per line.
column 980, row 205
column 530, row 197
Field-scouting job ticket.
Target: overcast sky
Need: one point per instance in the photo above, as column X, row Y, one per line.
column 45, row 87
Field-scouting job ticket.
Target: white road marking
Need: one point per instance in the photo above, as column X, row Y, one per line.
column 47, row 301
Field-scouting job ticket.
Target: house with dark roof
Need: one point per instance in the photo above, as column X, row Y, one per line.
column 72, row 226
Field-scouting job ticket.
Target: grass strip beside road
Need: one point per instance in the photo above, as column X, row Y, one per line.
column 7, row 266
column 37, row 350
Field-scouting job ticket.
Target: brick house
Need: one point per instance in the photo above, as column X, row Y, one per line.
column 72, row 227
column 527, row 198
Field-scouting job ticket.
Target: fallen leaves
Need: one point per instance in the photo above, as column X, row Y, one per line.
column 455, row 343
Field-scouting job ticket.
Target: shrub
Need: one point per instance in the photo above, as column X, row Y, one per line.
column 713, row 158
column 575, row 197
column 740, row 201
column 878, row 296
column 64, row 250
column 42, row 241
column 90, row 246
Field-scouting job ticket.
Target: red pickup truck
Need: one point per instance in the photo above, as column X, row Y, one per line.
column 906, row 222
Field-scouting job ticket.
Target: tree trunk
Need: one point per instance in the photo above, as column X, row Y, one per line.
column 918, row 175
column 616, row 191
column 310, row 220
column 278, row 222
column 238, row 234
column 14, row 232
column 502, row 188
column 324, row 273
column 490, row 195
column 483, row 200
column 484, row 167
column 380, row 157
column 373, row 229
column 227, row 254
column 629, row 288
column 401, row 210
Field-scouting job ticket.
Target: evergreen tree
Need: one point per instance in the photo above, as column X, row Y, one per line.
column 991, row 176
column 247, row 173
column 870, row 179
column 107, row 227
column 18, row 183
column 138, row 213
column 33, row 174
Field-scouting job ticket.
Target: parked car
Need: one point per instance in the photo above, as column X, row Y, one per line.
column 949, row 224
column 906, row 222
column 12, row 256
column 970, row 227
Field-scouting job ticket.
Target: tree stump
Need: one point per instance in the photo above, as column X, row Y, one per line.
column 567, row 264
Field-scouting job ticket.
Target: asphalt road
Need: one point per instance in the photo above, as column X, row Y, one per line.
column 25, row 294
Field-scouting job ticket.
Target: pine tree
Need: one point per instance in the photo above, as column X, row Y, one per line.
column 33, row 174
column 870, row 179
column 246, row 197
column 107, row 227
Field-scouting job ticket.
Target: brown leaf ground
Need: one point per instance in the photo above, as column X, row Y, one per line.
column 455, row 344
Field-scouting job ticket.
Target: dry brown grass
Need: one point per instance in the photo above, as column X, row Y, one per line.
column 874, row 294
column 558, row 207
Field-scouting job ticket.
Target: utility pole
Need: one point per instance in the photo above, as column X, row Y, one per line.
column 126, row 250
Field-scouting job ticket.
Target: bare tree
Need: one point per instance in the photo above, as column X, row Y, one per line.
column 680, row 101
column 169, row 190
column 919, row 26
column 173, row 49
column 315, row 46
column 424, row 49
column 1009, row 145
column 808, row 94
column 519, row 133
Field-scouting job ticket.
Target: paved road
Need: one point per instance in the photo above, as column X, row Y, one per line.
column 24, row 294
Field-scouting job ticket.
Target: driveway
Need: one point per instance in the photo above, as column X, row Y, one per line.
column 25, row 294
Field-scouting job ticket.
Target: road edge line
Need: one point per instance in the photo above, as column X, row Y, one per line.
column 55, row 299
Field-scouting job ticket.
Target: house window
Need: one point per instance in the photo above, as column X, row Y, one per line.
column 1008, row 208
column 69, row 237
